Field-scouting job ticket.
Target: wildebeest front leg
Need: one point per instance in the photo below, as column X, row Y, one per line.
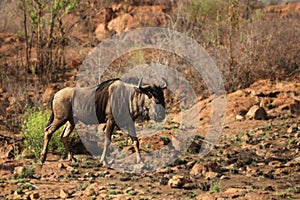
column 135, row 141
column 64, row 138
column 108, row 132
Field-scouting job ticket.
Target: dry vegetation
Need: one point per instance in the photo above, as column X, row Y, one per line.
column 43, row 46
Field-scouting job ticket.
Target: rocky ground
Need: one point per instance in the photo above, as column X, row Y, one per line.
column 252, row 159
column 256, row 156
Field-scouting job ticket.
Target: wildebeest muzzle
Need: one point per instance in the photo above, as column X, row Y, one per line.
column 157, row 112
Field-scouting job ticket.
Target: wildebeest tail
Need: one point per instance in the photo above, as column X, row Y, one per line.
column 51, row 116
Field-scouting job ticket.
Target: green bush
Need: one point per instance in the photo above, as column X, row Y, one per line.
column 34, row 122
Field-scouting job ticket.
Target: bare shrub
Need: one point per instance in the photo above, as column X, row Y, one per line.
column 246, row 42
column 262, row 48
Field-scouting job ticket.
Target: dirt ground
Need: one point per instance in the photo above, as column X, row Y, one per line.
column 252, row 159
column 257, row 155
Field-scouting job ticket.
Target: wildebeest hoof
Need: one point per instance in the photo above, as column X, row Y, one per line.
column 71, row 158
column 139, row 161
column 104, row 163
column 43, row 158
column 138, row 168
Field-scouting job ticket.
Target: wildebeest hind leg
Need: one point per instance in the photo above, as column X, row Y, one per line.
column 69, row 127
column 47, row 136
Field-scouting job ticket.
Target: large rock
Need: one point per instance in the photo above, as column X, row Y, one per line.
column 285, row 10
column 63, row 194
column 295, row 108
column 177, row 181
column 234, row 193
column 198, row 170
column 18, row 171
column 122, row 23
column 140, row 16
column 104, row 16
column 7, row 152
column 256, row 112
column 91, row 190
column 34, row 195
column 208, row 170
column 205, row 196
column 101, row 32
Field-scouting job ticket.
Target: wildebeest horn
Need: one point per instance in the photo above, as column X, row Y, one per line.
column 164, row 85
column 143, row 87
column 140, row 83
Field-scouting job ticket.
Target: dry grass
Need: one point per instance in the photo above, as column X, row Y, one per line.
column 247, row 44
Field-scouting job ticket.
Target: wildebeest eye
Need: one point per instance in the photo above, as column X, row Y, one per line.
column 149, row 95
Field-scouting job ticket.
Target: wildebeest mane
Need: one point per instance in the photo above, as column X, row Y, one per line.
column 102, row 98
column 105, row 83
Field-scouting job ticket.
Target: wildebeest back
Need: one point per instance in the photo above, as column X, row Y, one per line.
column 83, row 105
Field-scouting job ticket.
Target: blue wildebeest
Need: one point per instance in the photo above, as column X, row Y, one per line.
column 113, row 102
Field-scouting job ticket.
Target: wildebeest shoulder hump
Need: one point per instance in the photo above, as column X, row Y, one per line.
column 106, row 83
column 101, row 99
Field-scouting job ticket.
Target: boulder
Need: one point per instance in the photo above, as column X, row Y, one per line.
column 121, row 23
column 239, row 117
column 293, row 129
column 205, row 196
column 210, row 175
column 256, row 112
column 104, row 16
column 18, row 171
column 295, row 108
column 208, row 170
column 91, row 190
column 63, row 194
column 176, row 181
column 7, row 152
column 198, row 170
column 101, row 32
column 34, row 195
column 139, row 16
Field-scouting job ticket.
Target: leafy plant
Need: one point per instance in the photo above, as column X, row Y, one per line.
column 2, row 180
column 146, row 148
column 112, row 192
column 236, row 139
column 34, row 122
column 83, row 186
column 204, row 186
column 131, row 192
column 138, row 57
column 165, row 139
column 25, row 186
column 267, row 127
column 17, row 181
column 291, row 141
column 215, row 188
column 27, row 173
column 201, row 10
column 293, row 190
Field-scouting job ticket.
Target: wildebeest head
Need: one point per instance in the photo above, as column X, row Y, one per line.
column 154, row 101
